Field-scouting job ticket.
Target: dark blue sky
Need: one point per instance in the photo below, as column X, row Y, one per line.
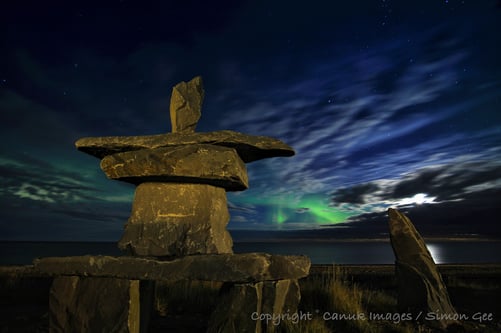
column 387, row 104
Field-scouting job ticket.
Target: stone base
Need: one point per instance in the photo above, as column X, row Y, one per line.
column 81, row 304
column 111, row 294
column 250, row 307
column 243, row 267
column 175, row 220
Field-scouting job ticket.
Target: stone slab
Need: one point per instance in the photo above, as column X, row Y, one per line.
column 173, row 220
column 249, row 147
column 242, row 268
column 199, row 164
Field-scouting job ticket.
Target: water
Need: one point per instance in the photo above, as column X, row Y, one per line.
column 325, row 252
column 378, row 252
column 23, row 253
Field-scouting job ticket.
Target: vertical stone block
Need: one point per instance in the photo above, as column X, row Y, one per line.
column 281, row 299
column 82, row 304
column 236, row 310
column 255, row 307
column 173, row 220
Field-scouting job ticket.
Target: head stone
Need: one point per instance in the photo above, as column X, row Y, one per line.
column 186, row 105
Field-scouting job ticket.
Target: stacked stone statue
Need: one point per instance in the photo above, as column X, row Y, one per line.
column 180, row 205
column 177, row 228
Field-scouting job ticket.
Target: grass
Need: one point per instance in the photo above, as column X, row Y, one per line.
column 329, row 295
column 343, row 306
column 334, row 290
column 187, row 305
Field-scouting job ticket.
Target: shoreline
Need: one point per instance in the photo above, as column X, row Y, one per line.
column 292, row 240
column 463, row 268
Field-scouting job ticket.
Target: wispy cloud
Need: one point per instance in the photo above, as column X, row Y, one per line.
column 41, row 200
column 456, row 181
column 339, row 120
column 375, row 132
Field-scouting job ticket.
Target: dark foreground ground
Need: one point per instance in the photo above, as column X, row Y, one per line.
column 475, row 291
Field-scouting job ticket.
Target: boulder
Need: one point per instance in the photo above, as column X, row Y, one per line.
column 80, row 304
column 241, row 268
column 174, row 220
column 197, row 164
column 186, row 105
column 249, row 147
column 420, row 285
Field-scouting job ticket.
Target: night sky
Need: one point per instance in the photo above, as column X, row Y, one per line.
column 387, row 104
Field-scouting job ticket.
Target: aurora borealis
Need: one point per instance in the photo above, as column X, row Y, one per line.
column 309, row 209
column 387, row 104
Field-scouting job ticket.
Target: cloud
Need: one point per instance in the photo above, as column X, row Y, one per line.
column 28, row 177
column 445, row 182
column 244, row 208
column 40, row 200
column 375, row 121
column 448, row 182
column 354, row 194
column 460, row 197
column 474, row 215
column 345, row 116
column 239, row 219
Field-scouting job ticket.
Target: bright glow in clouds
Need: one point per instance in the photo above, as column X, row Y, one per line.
column 417, row 199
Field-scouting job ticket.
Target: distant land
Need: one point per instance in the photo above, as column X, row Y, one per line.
column 340, row 234
column 321, row 234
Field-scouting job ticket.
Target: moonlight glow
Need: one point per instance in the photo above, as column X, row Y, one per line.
column 417, row 199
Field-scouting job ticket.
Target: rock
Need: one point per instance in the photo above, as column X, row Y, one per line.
column 79, row 304
column 281, row 296
column 249, row 147
column 197, row 164
column 420, row 285
column 186, row 105
column 242, row 268
column 235, row 309
column 254, row 307
column 173, row 220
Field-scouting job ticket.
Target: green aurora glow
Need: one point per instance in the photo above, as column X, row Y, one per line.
column 285, row 209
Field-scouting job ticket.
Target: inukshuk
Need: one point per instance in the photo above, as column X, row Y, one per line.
column 177, row 228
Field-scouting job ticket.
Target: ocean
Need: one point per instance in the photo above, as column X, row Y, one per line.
column 322, row 252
